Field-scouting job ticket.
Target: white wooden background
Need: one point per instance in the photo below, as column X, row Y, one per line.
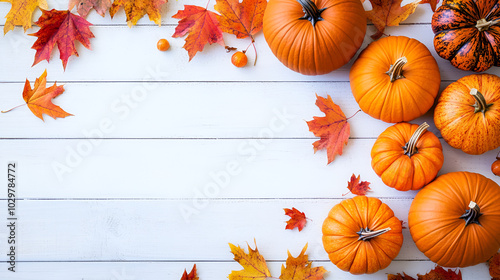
column 151, row 133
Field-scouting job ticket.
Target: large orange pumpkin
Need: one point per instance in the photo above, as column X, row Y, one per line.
column 406, row 156
column 467, row 33
column 395, row 79
column 468, row 113
column 455, row 220
column 314, row 37
column 362, row 235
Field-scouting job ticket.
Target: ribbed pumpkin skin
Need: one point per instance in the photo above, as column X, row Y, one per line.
column 473, row 133
column 404, row 99
column 438, row 231
column 398, row 170
column 317, row 50
column 340, row 239
column 459, row 40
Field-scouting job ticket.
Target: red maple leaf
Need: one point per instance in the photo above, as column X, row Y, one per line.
column 191, row 276
column 63, row 28
column 241, row 19
column 202, row 27
column 438, row 273
column 333, row 128
column 356, row 186
column 494, row 264
column 297, row 219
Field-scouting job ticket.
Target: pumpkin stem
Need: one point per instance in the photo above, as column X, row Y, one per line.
column 411, row 147
column 472, row 215
column 365, row 234
column 483, row 25
column 480, row 105
column 311, row 11
column 396, row 69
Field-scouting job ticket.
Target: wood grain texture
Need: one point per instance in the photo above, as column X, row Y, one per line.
column 166, row 161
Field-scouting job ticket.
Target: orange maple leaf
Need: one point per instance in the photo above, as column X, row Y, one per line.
column 297, row 219
column 356, row 186
column 300, row 268
column 433, row 3
column 21, row 13
column 494, row 264
column 191, row 276
column 63, row 28
column 389, row 13
column 333, row 128
column 202, row 27
column 254, row 264
column 136, row 9
column 241, row 19
column 83, row 7
column 399, row 277
column 438, row 273
column 39, row 99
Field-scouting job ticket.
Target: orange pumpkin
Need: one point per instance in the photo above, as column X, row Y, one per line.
column 314, row 37
column 467, row 33
column 468, row 113
column 395, row 79
column 362, row 235
column 455, row 220
column 406, row 156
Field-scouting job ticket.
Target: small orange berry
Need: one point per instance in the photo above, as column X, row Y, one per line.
column 239, row 59
column 495, row 166
column 163, row 45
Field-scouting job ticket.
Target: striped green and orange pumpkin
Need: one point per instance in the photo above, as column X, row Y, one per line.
column 467, row 33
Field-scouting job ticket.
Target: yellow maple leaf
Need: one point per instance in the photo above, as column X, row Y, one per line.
column 21, row 13
column 299, row 268
column 389, row 13
column 136, row 9
column 254, row 264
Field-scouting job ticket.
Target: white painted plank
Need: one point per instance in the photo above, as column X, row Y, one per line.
column 173, row 230
column 206, row 270
column 187, row 110
column 270, row 168
column 120, row 53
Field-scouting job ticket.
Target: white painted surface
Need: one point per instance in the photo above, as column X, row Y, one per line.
column 115, row 208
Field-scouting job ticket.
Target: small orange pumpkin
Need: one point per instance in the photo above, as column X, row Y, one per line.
column 468, row 113
column 395, row 79
column 455, row 220
column 362, row 235
column 314, row 37
column 406, row 156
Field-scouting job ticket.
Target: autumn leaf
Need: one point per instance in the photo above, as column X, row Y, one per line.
column 297, row 219
column 356, row 186
column 389, row 13
column 433, row 3
column 439, row 273
column 254, row 264
column 62, row 28
column 39, row 99
column 399, row 277
column 136, row 9
column 83, row 7
column 333, row 128
column 241, row 19
column 191, row 276
column 21, row 13
column 494, row 264
column 202, row 27
column 403, row 224
column 300, row 268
